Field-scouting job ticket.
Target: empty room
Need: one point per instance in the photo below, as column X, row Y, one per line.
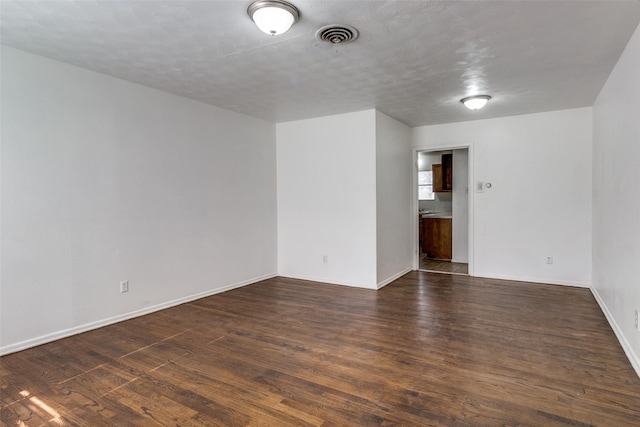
column 319, row 213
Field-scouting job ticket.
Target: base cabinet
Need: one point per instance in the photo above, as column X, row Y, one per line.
column 436, row 238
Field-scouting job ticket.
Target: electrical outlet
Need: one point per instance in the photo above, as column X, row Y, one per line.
column 637, row 325
column 124, row 286
column 325, row 259
column 549, row 260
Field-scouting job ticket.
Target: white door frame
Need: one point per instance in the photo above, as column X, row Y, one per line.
column 416, row 207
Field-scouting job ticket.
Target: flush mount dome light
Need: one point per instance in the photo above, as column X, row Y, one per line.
column 475, row 102
column 273, row 17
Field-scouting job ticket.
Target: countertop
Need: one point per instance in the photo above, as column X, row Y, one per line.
column 435, row 215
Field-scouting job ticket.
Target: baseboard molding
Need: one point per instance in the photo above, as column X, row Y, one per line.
column 628, row 350
column 24, row 345
column 394, row 277
column 323, row 280
column 533, row 280
column 351, row 284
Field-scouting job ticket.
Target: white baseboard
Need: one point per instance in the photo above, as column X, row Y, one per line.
column 628, row 350
column 394, row 277
column 23, row 345
column 324, row 280
column 347, row 283
column 533, row 280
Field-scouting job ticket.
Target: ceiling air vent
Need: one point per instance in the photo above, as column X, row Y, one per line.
column 337, row 34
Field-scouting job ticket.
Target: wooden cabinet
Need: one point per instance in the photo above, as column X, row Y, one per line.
column 436, row 238
column 447, row 172
column 438, row 182
column 443, row 175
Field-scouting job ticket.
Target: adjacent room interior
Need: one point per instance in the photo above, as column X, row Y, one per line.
column 443, row 211
column 209, row 219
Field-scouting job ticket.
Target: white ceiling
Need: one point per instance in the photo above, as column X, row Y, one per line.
column 414, row 60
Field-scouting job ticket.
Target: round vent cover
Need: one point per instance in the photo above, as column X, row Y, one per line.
column 337, row 34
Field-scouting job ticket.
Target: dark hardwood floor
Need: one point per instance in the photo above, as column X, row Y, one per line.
column 426, row 350
column 434, row 265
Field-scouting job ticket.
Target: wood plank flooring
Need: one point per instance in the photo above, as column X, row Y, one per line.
column 434, row 265
column 426, row 350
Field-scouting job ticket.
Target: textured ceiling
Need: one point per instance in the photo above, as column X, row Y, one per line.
column 414, row 60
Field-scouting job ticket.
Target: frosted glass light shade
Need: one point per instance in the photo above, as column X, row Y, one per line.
column 273, row 17
column 475, row 102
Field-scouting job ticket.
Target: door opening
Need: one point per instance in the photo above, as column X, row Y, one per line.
column 443, row 211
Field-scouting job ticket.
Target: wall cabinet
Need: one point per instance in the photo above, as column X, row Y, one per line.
column 436, row 238
column 447, row 172
column 438, row 181
column 443, row 174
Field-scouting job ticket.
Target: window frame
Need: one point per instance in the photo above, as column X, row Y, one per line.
column 425, row 181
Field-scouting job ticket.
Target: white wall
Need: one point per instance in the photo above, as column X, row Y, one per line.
column 327, row 199
column 616, row 198
column 540, row 202
column 104, row 180
column 460, row 206
column 393, row 199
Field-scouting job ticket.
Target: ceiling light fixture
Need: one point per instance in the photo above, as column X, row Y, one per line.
column 273, row 17
column 475, row 102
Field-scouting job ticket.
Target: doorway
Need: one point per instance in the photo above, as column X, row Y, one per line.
column 443, row 207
